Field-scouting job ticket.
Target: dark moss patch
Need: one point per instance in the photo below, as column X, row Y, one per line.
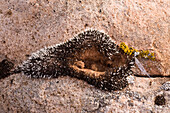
column 5, row 67
column 160, row 100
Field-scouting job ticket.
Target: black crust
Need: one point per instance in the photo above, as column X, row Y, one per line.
column 55, row 61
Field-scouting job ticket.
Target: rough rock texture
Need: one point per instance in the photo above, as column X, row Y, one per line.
column 65, row 94
column 28, row 25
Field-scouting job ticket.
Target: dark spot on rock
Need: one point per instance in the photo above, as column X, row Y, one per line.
column 79, row 1
column 27, row 55
column 33, row 37
column 109, row 65
column 0, row 11
column 12, row 81
column 3, row 96
column 5, row 67
column 160, row 100
column 151, row 111
column 9, row 12
column 17, row 30
column 4, row 41
column 100, row 11
column 150, row 83
column 130, row 102
column 85, row 25
column 36, row 15
column 54, row 11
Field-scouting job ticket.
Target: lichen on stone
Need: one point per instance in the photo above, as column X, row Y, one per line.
column 91, row 56
column 143, row 53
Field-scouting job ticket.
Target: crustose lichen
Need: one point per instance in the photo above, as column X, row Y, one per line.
column 143, row 53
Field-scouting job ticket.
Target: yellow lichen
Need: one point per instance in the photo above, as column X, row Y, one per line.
column 143, row 53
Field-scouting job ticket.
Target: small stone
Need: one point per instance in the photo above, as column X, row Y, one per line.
column 5, row 67
column 160, row 100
